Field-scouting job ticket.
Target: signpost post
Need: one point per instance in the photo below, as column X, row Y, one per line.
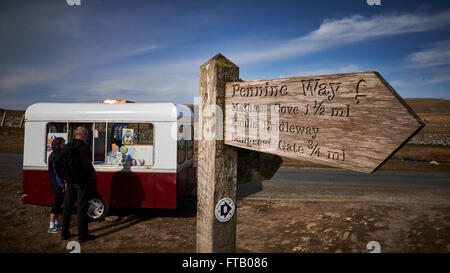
column 354, row 121
column 217, row 162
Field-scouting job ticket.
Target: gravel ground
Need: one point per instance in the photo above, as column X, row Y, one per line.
column 264, row 225
column 431, row 139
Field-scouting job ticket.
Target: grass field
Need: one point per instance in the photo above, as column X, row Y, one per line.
column 434, row 112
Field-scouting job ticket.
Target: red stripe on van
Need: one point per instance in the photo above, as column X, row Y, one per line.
column 119, row 189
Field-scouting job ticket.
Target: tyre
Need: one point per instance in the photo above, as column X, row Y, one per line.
column 97, row 208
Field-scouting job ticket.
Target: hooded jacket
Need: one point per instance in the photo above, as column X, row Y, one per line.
column 85, row 159
column 56, row 182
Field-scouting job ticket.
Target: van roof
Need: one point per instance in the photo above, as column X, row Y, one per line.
column 106, row 112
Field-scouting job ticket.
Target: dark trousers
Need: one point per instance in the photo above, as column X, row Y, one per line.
column 79, row 193
column 57, row 201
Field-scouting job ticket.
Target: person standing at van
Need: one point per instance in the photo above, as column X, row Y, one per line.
column 78, row 186
column 57, row 185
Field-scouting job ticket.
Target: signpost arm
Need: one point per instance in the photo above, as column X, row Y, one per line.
column 217, row 162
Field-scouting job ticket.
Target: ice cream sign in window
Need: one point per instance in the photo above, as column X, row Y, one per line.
column 130, row 144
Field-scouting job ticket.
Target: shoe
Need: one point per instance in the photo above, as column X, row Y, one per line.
column 53, row 230
column 87, row 238
column 58, row 226
column 65, row 236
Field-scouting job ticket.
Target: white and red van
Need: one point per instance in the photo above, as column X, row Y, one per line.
column 143, row 153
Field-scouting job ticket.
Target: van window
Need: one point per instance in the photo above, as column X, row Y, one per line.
column 54, row 130
column 190, row 143
column 181, row 146
column 129, row 144
column 88, row 125
column 99, row 136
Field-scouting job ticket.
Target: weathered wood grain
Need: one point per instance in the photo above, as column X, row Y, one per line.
column 217, row 162
column 353, row 121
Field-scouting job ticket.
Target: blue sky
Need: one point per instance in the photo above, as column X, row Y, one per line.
column 151, row 51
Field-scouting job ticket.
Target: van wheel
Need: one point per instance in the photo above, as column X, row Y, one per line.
column 97, row 208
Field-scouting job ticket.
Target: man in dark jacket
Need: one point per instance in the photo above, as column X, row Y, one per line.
column 57, row 185
column 78, row 187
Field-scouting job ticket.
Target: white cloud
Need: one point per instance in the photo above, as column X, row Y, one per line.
column 438, row 54
column 441, row 76
column 348, row 30
column 401, row 83
column 349, row 68
column 17, row 77
column 142, row 50
column 178, row 80
column 433, row 62
column 435, row 76
column 175, row 81
column 174, row 78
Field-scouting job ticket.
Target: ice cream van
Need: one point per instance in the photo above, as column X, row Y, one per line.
column 143, row 153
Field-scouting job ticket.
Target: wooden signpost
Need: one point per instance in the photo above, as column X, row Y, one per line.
column 354, row 121
column 217, row 162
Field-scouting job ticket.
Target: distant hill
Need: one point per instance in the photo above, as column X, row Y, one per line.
column 428, row 105
column 12, row 112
